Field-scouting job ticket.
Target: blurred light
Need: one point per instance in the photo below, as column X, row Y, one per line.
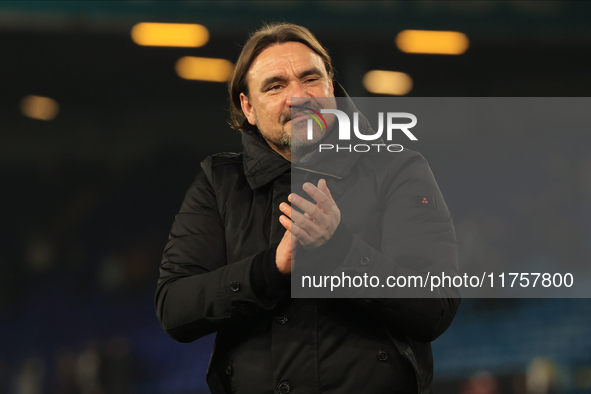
column 170, row 34
column 37, row 107
column 434, row 42
column 387, row 82
column 204, row 69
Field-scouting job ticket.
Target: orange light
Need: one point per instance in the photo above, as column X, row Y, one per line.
column 38, row 107
column 204, row 69
column 170, row 34
column 387, row 82
column 433, row 42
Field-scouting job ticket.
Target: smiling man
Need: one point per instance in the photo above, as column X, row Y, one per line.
column 228, row 263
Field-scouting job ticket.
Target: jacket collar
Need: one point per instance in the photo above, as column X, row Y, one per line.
column 262, row 164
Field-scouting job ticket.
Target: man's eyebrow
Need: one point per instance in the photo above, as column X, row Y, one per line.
column 270, row 80
column 277, row 78
column 310, row 71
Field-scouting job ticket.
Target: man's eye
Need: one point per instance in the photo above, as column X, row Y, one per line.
column 312, row 79
column 274, row 87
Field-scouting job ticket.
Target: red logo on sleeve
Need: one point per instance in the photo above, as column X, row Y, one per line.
column 423, row 202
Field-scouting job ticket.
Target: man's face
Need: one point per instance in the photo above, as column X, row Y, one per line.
column 281, row 77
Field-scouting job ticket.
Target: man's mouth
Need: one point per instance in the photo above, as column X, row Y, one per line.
column 300, row 115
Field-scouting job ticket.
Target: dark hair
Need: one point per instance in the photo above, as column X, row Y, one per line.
column 269, row 34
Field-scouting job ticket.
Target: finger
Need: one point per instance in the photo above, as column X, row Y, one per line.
column 294, row 215
column 302, row 236
column 286, row 222
column 313, row 211
column 328, row 205
column 286, row 209
column 323, row 201
column 318, row 195
column 299, row 231
column 324, row 188
column 303, row 221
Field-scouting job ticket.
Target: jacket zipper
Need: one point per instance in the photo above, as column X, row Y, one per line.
column 318, row 172
column 411, row 357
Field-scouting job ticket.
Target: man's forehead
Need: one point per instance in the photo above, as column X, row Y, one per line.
column 281, row 59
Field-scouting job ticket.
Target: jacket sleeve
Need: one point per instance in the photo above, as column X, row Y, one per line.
column 416, row 241
column 198, row 293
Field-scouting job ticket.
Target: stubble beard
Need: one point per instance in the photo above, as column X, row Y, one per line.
column 299, row 144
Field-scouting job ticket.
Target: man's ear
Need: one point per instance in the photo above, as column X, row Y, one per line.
column 331, row 86
column 247, row 109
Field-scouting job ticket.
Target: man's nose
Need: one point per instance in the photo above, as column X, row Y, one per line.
column 298, row 92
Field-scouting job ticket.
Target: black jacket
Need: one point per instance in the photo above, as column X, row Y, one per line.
column 218, row 274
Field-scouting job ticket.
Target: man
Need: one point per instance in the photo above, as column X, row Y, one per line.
column 227, row 265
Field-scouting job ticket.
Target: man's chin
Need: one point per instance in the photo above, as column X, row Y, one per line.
column 299, row 138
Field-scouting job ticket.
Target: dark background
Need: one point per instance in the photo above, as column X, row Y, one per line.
column 88, row 198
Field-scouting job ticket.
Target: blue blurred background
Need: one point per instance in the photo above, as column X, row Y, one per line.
column 101, row 137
